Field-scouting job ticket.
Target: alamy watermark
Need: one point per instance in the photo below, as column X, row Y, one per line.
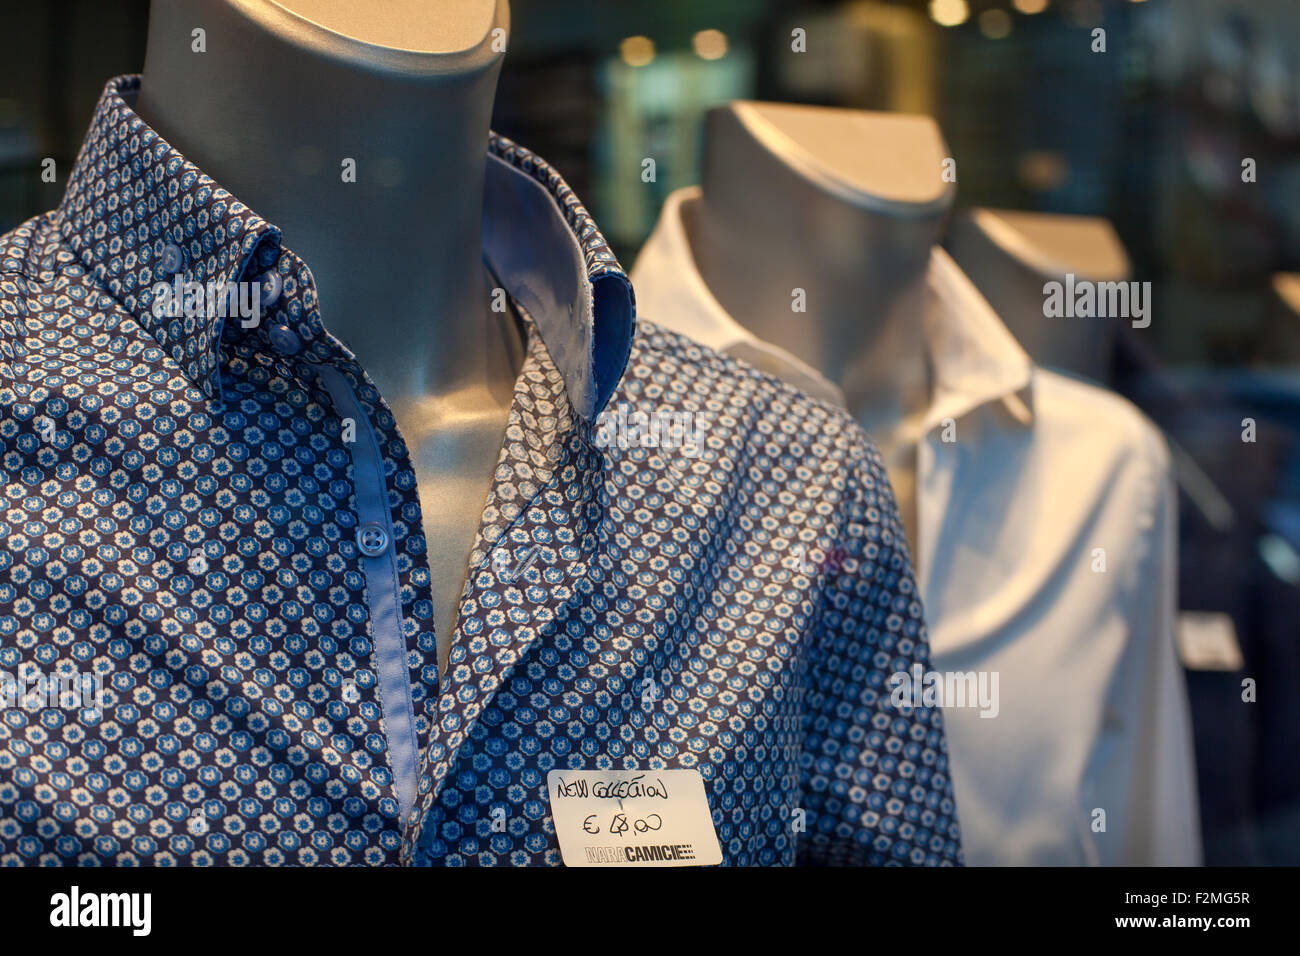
column 211, row 299
column 32, row 691
column 1085, row 299
column 922, row 688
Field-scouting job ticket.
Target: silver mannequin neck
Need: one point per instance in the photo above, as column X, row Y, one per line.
column 284, row 94
column 846, row 206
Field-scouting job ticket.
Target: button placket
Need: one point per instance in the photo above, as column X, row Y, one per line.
column 372, row 539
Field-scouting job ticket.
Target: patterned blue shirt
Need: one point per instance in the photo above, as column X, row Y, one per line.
column 216, row 628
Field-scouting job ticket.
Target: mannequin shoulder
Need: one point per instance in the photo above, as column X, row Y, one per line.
column 703, row 371
column 740, row 405
column 18, row 245
column 43, row 279
column 30, row 261
column 1076, row 412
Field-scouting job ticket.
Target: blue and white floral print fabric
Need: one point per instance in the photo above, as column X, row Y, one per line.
column 202, row 594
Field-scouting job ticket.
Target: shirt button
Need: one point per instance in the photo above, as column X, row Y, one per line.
column 372, row 539
column 284, row 339
column 172, row 259
column 270, row 285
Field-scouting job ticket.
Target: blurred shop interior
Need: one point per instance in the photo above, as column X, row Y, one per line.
column 1150, row 137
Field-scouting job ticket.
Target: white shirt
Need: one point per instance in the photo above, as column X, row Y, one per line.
column 1044, row 482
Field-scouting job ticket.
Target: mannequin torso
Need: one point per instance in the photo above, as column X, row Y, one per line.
column 283, row 94
column 850, row 223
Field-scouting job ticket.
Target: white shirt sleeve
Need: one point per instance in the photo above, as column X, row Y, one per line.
column 1149, row 787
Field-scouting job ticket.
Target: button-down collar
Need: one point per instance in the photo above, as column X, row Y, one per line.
column 131, row 195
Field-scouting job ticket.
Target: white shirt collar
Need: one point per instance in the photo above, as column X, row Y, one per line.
column 677, row 298
column 976, row 360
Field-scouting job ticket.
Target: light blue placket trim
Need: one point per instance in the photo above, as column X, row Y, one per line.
column 382, row 588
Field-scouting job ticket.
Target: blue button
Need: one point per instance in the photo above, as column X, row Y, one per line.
column 284, row 339
column 372, row 539
column 172, row 259
column 270, row 286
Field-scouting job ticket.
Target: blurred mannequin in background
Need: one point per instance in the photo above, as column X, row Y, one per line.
column 1011, row 256
column 1039, row 508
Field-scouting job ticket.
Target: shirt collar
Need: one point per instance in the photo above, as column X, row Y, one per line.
column 131, row 194
column 680, row 300
column 975, row 358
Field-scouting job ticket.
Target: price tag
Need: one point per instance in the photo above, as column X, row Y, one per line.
column 633, row 818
